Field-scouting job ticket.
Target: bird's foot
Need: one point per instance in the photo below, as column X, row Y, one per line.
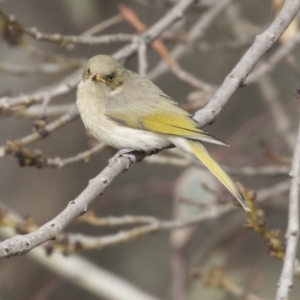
column 125, row 153
column 153, row 151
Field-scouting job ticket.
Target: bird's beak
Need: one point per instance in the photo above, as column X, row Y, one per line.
column 97, row 78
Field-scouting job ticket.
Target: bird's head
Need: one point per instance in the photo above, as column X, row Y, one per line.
column 103, row 69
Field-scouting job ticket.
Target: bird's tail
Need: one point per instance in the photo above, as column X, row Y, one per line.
column 200, row 152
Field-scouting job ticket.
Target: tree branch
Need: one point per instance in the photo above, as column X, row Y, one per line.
column 64, row 119
column 66, row 39
column 286, row 278
column 22, row 244
column 238, row 75
column 47, row 93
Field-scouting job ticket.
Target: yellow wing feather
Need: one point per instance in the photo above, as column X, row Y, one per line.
column 174, row 121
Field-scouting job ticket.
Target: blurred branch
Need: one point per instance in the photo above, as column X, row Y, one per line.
column 45, row 94
column 281, row 53
column 48, row 69
column 21, row 244
column 35, row 110
column 281, row 119
column 185, row 161
column 195, row 33
column 162, row 50
column 83, row 156
column 217, row 278
column 92, row 219
column 70, row 243
column 142, row 58
column 17, row 145
column 174, row 14
column 94, row 279
column 257, row 222
column 224, row 46
column 286, row 279
column 66, row 39
column 237, row 76
column 103, row 25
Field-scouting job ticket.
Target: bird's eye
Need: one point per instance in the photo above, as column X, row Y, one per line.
column 89, row 71
column 110, row 77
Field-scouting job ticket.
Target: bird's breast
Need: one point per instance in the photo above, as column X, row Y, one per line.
column 92, row 110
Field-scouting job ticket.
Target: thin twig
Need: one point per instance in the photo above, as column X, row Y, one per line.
column 234, row 45
column 280, row 118
column 35, row 110
column 48, row 69
column 103, row 25
column 174, row 14
column 92, row 219
column 66, row 39
column 71, row 115
column 142, row 58
column 162, row 50
column 61, row 88
column 195, row 33
column 269, row 170
column 73, row 242
column 6, row 103
column 83, row 156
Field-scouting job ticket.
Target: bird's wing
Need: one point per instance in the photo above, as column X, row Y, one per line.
column 150, row 115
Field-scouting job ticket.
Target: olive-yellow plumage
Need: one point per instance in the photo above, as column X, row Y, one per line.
column 127, row 111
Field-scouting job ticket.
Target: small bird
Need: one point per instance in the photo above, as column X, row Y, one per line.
column 130, row 113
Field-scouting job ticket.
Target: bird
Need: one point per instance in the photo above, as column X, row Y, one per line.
column 131, row 113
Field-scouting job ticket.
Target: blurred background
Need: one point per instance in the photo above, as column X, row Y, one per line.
column 233, row 260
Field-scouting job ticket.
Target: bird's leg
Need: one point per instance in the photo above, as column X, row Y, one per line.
column 126, row 152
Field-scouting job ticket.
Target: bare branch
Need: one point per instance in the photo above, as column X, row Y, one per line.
column 162, row 50
column 185, row 161
column 71, row 115
column 286, row 278
column 142, row 57
column 35, row 110
column 83, row 156
column 48, row 69
column 66, row 39
column 70, row 243
column 281, row 53
column 103, row 25
column 22, row 244
column 72, row 80
column 175, row 13
column 71, row 269
column 92, row 219
column 196, row 32
column 224, row 46
column 238, row 75
column 280, row 118
column 61, row 88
